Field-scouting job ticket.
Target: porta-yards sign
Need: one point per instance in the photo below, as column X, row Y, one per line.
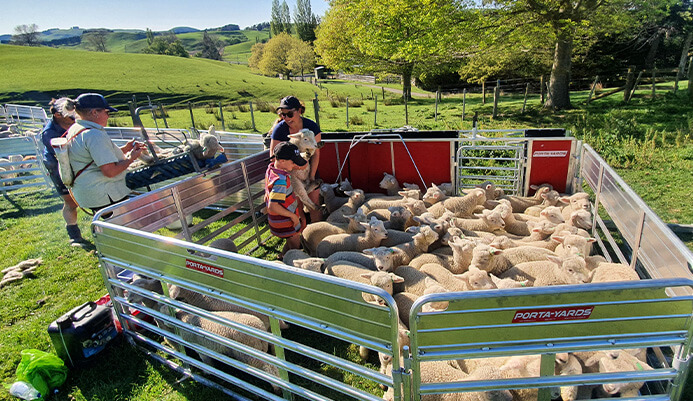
column 553, row 314
column 204, row 268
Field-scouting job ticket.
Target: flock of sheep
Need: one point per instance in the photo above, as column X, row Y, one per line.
column 412, row 244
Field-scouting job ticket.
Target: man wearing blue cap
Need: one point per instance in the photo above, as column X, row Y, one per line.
column 98, row 164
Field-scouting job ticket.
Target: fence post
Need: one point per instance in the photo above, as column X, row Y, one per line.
column 524, row 102
column 436, row 114
column 134, row 101
column 690, row 77
column 192, row 118
column 629, row 84
column 635, row 86
column 163, row 113
column 383, row 88
column 594, row 87
column 676, row 81
column 541, row 88
column 464, row 102
column 371, row 93
column 654, row 81
column 406, row 111
column 316, row 108
column 347, row 113
column 221, row 115
column 496, row 95
column 483, row 92
column 375, row 116
column 252, row 115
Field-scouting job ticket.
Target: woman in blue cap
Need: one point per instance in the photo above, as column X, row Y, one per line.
column 291, row 121
column 98, row 164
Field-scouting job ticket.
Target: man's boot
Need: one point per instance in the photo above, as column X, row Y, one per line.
column 75, row 236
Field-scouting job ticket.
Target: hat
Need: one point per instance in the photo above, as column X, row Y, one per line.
column 290, row 102
column 92, row 101
column 289, row 151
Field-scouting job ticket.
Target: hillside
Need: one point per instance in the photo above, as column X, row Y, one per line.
column 168, row 79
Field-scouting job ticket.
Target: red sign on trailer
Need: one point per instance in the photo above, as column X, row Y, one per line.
column 549, row 163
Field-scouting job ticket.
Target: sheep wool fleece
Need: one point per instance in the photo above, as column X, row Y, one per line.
column 278, row 189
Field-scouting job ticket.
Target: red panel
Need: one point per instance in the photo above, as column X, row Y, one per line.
column 550, row 161
column 368, row 161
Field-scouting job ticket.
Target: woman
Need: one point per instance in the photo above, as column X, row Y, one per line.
column 291, row 121
column 62, row 119
column 98, row 164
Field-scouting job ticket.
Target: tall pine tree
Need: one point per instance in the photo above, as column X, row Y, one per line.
column 305, row 21
column 276, row 24
column 286, row 17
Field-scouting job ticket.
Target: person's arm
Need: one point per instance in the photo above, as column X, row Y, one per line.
column 276, row 208
column 111, row 170
column 315, row 160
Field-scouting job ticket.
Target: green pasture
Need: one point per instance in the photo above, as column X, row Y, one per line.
column 648, row 141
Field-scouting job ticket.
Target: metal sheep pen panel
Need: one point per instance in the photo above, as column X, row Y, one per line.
column 653, row 314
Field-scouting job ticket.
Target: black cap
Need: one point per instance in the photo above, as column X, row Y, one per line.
column 289, row 151
column 290, row 102
column 87, row 101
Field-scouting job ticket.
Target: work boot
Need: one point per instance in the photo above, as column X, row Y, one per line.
column 75, row 236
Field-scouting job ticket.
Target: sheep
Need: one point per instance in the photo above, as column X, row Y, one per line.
column 300, row 178
column 405, row 300
column 472, row 279
column 433, row 195
column 520, row 203
column 488, row 220
column 387, row 258
column 223, row 330
column 396, row 237
column 458, row 263
column 519, row 366
column 314, row 233
column 391, row 185
column 512, row 225
column 357, row 273
column 615, row 361
column 447, row 188
column 606, row 272
column 359, row 258
column 225, row 244
column 375, row 233
column 374, row 203
column 503, row 283
column 356, row 199
column 554, row 271
column 576, row 201
column 550, row 198
column 442, row 371
column 416, row 207
column 573, row 244
column 579, row 218
column 462, row 206
column 414, row 282
column 300, row 259
column 331, row 200
column 497, row 261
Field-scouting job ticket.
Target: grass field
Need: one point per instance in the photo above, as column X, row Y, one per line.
column 648, row 141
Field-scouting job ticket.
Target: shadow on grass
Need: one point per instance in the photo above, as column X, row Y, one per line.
column 22, row 205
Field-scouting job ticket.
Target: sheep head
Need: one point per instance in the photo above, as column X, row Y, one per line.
column 383, row 257
column 476, row 279
column 304, row 141
column 389, row 182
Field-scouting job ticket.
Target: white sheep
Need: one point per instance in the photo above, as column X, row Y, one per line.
column 355, row 272
column 606, row 272
column 314, row 233
column 550, row 198
column 497, row 261
column 520, row 203
column 573, row 245
column 384, row 202
column 375, row 233
column 415, row 281
column 433, row 195
column 227, row 332
column 300, row 259
column 331, row 200
column 503, row 283
column 576, row 201
column 405, row 300
column 554, row 271
column 356, row 199
column 391, row 185
column 488, row 220
column 387, row 258
column 472, row 279
column 458, row 263
column 300, row 178
column 462, row 206
column 362, row 259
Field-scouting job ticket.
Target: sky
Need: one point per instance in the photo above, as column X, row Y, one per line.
column 158, row 15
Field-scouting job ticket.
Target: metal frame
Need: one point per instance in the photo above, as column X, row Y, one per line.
column 648, row 313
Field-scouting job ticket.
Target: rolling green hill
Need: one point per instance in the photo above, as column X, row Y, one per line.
column 28, row 79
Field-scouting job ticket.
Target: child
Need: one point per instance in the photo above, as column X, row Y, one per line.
column 284, row 214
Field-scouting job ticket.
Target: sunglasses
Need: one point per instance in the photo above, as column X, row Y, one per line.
column 289, row 114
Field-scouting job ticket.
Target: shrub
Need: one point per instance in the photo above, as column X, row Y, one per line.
column 355, row 102
column 355, row 120
column 263, row 106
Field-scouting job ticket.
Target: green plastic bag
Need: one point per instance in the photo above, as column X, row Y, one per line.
column 43, row 370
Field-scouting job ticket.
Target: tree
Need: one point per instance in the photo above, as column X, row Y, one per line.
column 389, row 35
column 305, row 21
column 283, row 54
column 286, row 18
column 564, row 24
column 96, row 40
column 150, row 36
column 276, row 24
column 212, row 48
column 26, row 35
column 168, row 44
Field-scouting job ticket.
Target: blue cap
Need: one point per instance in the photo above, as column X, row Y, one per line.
column 92, row 101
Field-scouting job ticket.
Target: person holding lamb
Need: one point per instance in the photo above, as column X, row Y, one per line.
column 291, row 121
column 284, row 216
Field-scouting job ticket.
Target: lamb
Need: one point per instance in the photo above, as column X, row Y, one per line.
column 300, row 259
column 356, row 199
column 399, row 217
column 606, row 272
column 615, row 361
column 228, row 332
column 488, row 220
column 472, row 279
column 462, row 251
column 460, row 205
column 314, row 233
column 520, row 203
column 387, row 258
column 579, row 218
column 405, row 300
column 300, row 178
column 359, row 258
column 391, row 185
column 433, row 195
column 576, row 201
column 529, row 366
column 225, row 244
column 447, row 188
column 512, row 225
column 496, row 261
column 550, row 198
column 504, row 283
column 331, row 200
column 374, row 203
column 554, row 271
column 355, row 272
column 414, row 281
column 396, row 237
column 572, row 244
column 442, row 371
column 375, row 233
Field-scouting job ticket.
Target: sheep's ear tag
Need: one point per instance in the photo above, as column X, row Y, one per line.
column 391, row 250
column 639, row 366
